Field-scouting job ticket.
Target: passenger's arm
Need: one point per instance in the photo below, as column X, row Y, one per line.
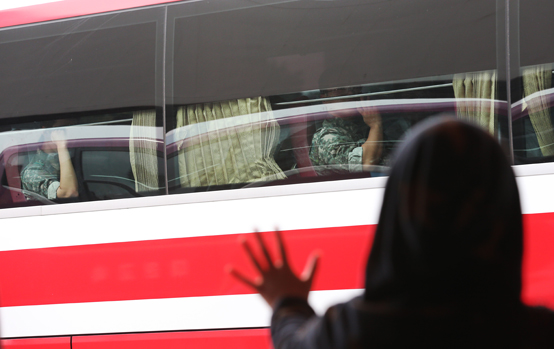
column 372, row 148
column 68, row 180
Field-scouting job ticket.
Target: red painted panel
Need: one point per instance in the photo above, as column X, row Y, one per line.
column 195, row 266
column 67, row 9
column 170, row 268
column 538, row 261
column 36, row 343
column 232, row 339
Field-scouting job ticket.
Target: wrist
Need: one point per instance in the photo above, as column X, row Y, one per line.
column 290, row 301
column 375, row 125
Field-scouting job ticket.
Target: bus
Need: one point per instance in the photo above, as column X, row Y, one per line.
column 182, row 126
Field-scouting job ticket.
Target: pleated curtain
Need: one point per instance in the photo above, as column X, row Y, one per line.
column 475, row 98
column 227, row 142
column 143, row 151
column 537, row 79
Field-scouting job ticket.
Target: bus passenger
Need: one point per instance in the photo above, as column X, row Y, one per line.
column 445, row 265
column 347, row 141
column 50, row 174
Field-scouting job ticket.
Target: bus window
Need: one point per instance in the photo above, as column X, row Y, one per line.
column 106, row 157
column 226, row 142
column 327, row 94
column 320, row 133
column 533, row 122
column 81, row 109
column 533, row 93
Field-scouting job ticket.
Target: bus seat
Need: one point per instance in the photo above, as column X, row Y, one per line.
column 13, row 173
column 301, row 139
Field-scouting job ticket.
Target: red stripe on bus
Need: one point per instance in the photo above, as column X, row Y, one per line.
column 538, row 261
column 184, row 267
column 228, row 339
column 35, row 343
column 67, row 9
column 190, row 267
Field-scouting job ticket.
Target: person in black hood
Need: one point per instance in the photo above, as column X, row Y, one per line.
column 445, row 265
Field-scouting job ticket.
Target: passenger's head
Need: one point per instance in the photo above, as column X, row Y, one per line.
column 333, row 95
column 332, row 89
column 450, row 227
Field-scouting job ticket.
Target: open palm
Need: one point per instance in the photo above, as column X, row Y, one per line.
column 277, row 280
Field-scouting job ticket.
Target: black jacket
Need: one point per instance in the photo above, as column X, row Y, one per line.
column 445, row 265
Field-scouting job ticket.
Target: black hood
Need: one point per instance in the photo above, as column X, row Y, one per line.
column 450, row 228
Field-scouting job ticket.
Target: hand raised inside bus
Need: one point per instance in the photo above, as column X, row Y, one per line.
column 371, row 115
column 59, row 139
column 68, row 180
column 372, row 148
column 277, row 280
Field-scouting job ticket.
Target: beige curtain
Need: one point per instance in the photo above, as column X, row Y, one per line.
column 227, row 142
column 143, row 151
column 475, row 95
column 537, row 79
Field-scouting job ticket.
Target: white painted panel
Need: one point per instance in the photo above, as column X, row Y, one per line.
column 193, row 313
column 536, row 193
column 222, row 217
column 334, row 209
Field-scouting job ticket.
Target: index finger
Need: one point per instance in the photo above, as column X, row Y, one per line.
column 281, row 247
column 265, row 252
column 251, row 255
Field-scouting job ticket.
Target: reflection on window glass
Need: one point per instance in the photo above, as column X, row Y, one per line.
column 81, row 158
column 532, row 116
column 333, row 133
column 292, row 92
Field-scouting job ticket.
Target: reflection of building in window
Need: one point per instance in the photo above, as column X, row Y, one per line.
column 227, row 142
column 536, row 79
column 475, row 98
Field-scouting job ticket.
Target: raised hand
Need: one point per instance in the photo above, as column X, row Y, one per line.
column 371, row 115
column 59, row 138
column 277, row 280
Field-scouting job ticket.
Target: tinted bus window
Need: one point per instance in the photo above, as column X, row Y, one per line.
column 99, row 157
column 81, row 109
column 533, row 123
column 277, row 92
